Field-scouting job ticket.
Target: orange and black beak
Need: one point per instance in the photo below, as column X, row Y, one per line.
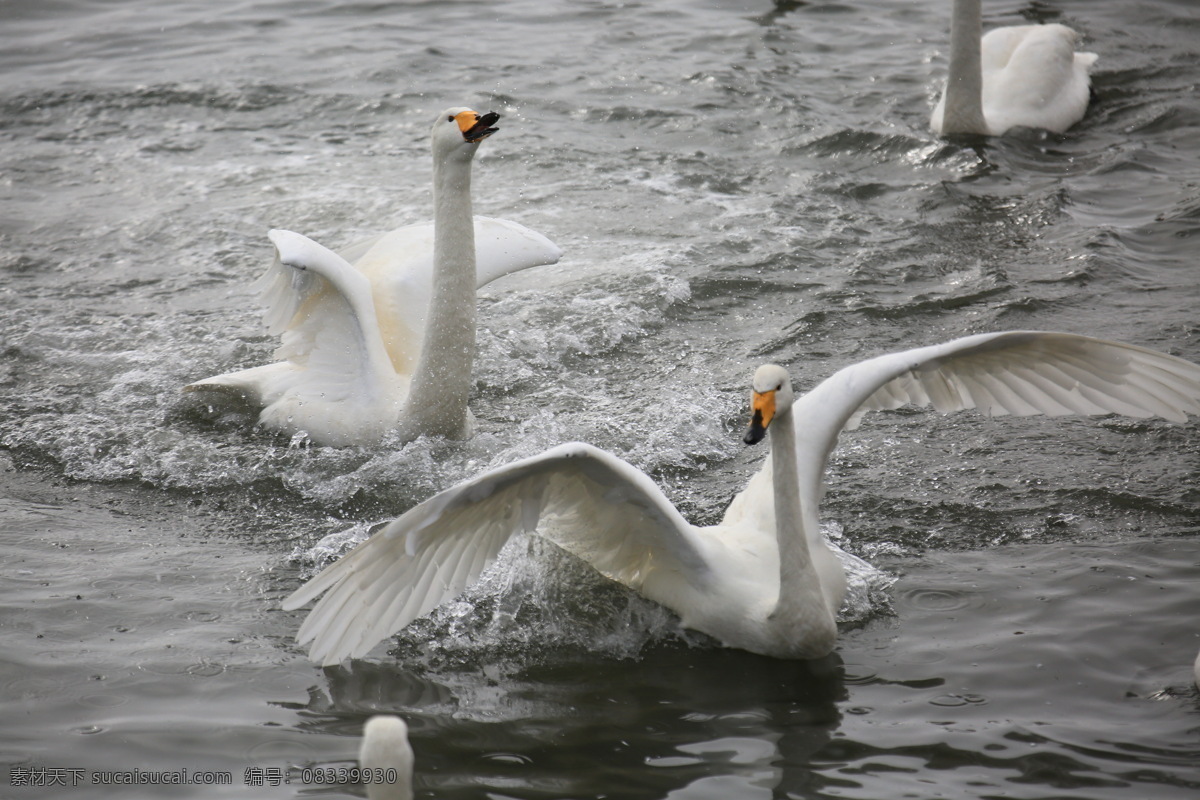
column 476, row 128
column 762, row 404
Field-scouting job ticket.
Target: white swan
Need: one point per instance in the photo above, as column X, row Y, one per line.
column 388, row 343
column 1024, row 75
column 763, row 579
column 387, row 758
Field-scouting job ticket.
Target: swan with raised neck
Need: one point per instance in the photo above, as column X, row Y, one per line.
column 763, row 579
column 380, row 339
column 441, row 383
column 1016, row 76
column 811, row 580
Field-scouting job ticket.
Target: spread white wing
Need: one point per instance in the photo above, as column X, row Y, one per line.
column 501, row 247
column 399, row 266
column 322, row 309
column 1025, row 373
column 590, row 502
column 327, row 315
column 1021, row 373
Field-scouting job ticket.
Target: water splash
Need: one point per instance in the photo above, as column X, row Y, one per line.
column 537, row 598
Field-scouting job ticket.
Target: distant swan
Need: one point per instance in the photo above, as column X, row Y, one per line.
column 763, row 579
column 388, row 343
column 386, row 758
column 1024, row 75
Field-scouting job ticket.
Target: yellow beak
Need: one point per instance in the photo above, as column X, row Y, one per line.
column 762, row 404
column 476, row 128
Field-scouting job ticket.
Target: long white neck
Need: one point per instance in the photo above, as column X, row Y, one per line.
column 441, row 383
column 802, row 602
column 963, row 109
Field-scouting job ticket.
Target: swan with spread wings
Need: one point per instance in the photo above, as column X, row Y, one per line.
column 381, row 338
column 763, row 579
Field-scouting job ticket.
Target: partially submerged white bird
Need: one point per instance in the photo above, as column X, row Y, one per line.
column 386, row 758
column 1018, row 76
column 763, row 579
column 382, row 337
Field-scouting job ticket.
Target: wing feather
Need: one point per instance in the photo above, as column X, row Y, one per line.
column 1018, row 372
column 1043, row 396
column 1025, row 373
column 399, row 267
column 364, row 571
column 322, row 309
column 1171, row 389
column 503, row 247
column 590, row 502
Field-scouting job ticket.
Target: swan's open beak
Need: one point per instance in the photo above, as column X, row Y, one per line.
column 476, row 128
column 763, row 406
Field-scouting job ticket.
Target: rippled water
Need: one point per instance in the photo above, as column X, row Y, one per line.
column 731, row 183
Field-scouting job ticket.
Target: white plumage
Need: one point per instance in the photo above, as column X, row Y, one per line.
column 382, row 337
column 1017, row 76
column 763, row 579
column 385, row 753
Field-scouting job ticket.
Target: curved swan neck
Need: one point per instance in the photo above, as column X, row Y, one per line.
column 804, row 620
column 798, row 579
column 963, row 110
column 441, row 383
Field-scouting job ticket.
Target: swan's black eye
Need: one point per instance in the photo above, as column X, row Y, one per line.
column 450, row 118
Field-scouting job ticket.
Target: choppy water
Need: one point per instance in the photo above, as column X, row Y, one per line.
column 731, row 183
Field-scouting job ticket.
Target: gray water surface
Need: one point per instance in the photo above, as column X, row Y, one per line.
column 731, row 183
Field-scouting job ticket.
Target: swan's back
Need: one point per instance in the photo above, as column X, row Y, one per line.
column 399, row 265
column 1032, row 77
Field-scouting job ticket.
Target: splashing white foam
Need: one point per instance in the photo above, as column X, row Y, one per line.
column 537, row 597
